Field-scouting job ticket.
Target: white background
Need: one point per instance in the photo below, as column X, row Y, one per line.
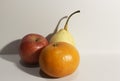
column 96, row 31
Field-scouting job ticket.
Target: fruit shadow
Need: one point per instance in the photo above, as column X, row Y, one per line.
column 10, row 53
column 56, row 29
column 11, row 48
column 33, row 70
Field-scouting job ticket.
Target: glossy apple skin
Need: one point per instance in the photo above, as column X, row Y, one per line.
column 30, row 48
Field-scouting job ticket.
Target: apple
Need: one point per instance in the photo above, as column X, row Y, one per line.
column 30, row 48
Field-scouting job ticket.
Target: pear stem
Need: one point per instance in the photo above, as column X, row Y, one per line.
column 56, row 29
column 66, row 27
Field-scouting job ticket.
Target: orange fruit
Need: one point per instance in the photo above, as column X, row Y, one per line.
column 59, row 59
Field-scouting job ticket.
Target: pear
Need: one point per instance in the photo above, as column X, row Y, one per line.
column 63, row 35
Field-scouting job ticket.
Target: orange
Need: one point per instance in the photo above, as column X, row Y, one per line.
column 59, row 59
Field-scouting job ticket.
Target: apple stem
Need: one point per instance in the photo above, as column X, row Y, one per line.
column 66, row 27
column 37, row 40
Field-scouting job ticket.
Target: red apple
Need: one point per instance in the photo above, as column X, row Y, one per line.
column 30, row 48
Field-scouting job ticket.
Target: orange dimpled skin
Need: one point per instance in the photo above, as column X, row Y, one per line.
column 59, row 59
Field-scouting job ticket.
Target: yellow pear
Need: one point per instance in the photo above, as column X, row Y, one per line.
column 63, row 35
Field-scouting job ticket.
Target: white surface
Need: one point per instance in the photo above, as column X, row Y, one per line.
column 96, row 31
